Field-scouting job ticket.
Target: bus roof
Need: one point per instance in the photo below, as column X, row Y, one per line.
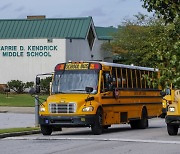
column 127, row 66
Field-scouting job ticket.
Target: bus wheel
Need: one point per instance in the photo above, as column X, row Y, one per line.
column 143, row 122
column 46, row 130
column 134, row 124
column 97, row 126
column 172, row 129
column 106, row 126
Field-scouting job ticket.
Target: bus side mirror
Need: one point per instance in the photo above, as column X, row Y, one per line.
column 162, row 93
column 168, row 91
column 89, row 89
column 38, row 80
column 37, row 89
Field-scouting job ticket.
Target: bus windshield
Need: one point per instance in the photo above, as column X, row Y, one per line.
column 75, row 81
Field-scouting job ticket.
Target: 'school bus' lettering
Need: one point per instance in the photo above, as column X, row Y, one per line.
column 100, row 94
column 77, row 66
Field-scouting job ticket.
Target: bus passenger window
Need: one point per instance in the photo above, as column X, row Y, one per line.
column 138, row 78
column 154, row 82
column 134, row 78
column 151, row 79
column 143, row 79
column 119, row 79
column 129, row 78
column 114, row 82
column 146, row 78
column 124, row 80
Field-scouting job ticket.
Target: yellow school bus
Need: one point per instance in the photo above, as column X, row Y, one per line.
column 98, row 95
column 173, row 111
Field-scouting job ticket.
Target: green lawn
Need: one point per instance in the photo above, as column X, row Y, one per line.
column 13, row 130
column 19, row 100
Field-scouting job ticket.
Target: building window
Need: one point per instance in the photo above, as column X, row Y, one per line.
column 91, row 38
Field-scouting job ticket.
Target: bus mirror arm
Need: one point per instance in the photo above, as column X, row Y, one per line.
column 89, row 99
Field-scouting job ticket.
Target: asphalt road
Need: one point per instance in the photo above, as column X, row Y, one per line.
column 119, row 139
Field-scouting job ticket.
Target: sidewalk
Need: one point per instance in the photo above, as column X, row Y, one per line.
column 14, row 117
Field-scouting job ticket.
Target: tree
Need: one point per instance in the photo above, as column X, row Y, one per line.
column 45, row 84
column 169, row 9
column 149, row 42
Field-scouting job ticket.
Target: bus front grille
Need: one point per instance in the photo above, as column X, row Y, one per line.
column 62, row 108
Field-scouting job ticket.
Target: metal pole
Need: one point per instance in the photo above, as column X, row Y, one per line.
column 36, row 110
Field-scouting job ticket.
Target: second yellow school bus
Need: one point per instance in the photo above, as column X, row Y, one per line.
column 100, row 94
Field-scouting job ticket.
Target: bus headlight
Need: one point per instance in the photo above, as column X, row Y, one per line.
column 172, row 109
column 42, row 109
column 88, row 109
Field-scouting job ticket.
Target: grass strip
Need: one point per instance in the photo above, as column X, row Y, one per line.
column 14, row 130
column 19, row 100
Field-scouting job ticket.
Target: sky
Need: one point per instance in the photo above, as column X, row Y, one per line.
column 103, row 12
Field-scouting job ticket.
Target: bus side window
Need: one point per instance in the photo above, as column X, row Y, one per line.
column 129, row 78
column 119, row 79
column 114, row 78
column 134, row 78
column 124, row 79
column 143, row 79
column 138, row 73
column 154, row 82
column 151, row 79
column 146, row 79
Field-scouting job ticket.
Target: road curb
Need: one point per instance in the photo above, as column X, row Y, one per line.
column 3, row 111
column 19, row 133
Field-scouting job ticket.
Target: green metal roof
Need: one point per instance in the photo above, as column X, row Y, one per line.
column 45, row 28
column 105, row 33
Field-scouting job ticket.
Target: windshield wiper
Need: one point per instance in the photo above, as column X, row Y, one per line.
column 77, row 90
column 59, row 92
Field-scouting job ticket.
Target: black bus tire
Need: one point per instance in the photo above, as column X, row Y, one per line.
column 172, row 129
column 97, row 126
column 46, row 130
column 134, row 124
column 143, row 122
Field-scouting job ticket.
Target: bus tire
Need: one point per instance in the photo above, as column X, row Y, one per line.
column 134, row 124
column 143, row 122
column 46, row 130
column 97, row 126
column 106, row 127
column 172, row 129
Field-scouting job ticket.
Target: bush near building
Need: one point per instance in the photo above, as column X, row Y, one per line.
column 18, row 86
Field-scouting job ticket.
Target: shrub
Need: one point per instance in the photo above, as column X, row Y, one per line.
column 18, row 86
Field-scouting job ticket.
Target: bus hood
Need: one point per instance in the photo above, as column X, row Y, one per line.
column 66, row 98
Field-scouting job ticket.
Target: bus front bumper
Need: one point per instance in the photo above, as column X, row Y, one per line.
column 173, row 119
column 67, row 121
